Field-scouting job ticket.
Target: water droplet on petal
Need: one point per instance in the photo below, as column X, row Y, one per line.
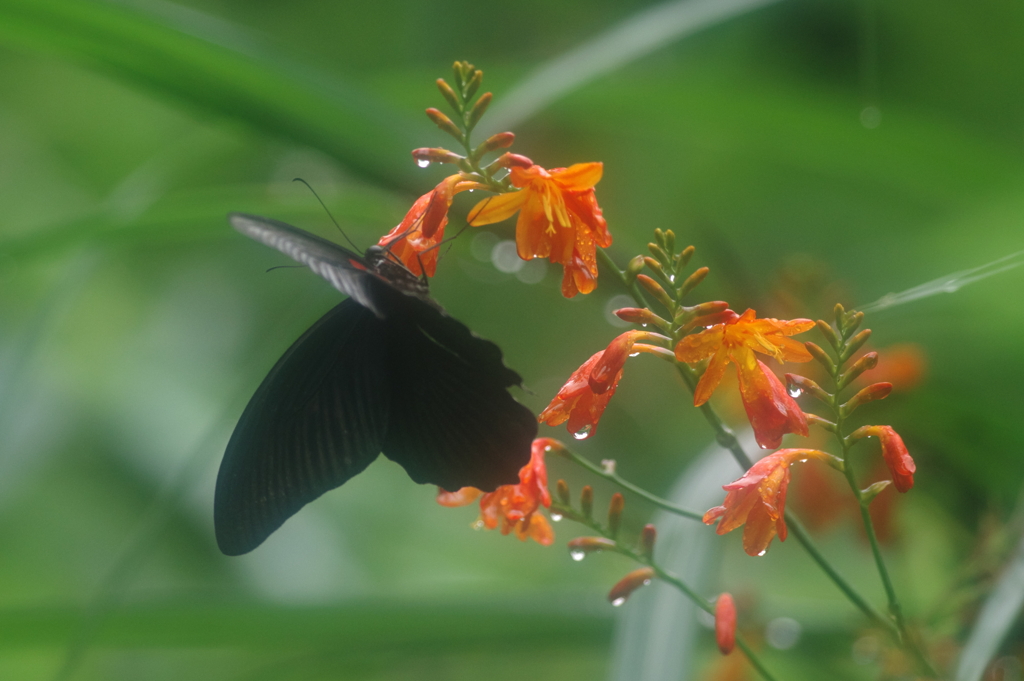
column 577, row 555
column 647, row 582
column 634, row 354
column 795, row 392
column 422, row 162
column 471, row 191
column 583, row 433
column 478, row 525
column 555, row 517
column 671, row 278
column 618, row 601
column 763, row 551
column 644, row 325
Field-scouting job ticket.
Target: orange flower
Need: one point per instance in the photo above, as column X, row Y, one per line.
column 759, row 500
column 414, row 239
column 735, row 338
column 582, row 400
column 514, row 507
column 559, row 219
column 895, row 453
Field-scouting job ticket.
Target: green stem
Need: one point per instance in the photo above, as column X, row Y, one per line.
column 664, row 575
column 900, row 633
column 624, row 484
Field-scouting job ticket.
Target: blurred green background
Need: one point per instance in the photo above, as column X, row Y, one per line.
column 811, row 150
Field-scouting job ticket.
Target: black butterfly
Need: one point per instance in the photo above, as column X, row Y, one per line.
column 385, row 371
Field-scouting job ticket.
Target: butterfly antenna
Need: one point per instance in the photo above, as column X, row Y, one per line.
column 328, row 211
column 283, row 267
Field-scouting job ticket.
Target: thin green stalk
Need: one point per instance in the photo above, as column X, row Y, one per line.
column 639, row 491
column 895, row 609
column 664, row 575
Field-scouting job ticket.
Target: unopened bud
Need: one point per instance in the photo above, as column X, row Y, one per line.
column 615, row 507
column 684, row 257
column 725, row 623
column 840, row 313
column 474, row 83
column 659, row 236
column 657, row 251
column 502, row 140
column 445, row 123
column 435, row 155
column 655, row 289
column 510, row 160
column 643, row 317
column 581, row 546
column 633, row 268
column 670, row 240
column 655, row 267
column 829, row 333
column 851, row 322
column 875, row 391
column 587, row 502
column 630, row 583
column 803, row 384
column 478, row 109
column 822, row 357
column 449, row 95
column 562, row 487
column 865, row 363
column 647, row 538
column 871, row 491
column 693, row 280
column 855, row 343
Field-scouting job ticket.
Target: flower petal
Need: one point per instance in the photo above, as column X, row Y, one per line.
column 496, row 208
column 579, row 176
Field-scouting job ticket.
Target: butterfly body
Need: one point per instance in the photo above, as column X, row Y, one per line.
column 385, row 371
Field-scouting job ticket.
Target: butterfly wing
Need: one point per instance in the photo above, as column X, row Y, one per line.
column 319, row 418
column 345, row 270
column 453, row 422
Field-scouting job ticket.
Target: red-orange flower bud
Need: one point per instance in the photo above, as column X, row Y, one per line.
column 895, row 453
column 502, row 140
column 425, row 155
column 445, row 123
column 640, row 315
column 509, row 160
column 615, row 506
column 630, row 583
column 725, row 623
column 647, row 538
column 875, row 391
column 581, row 546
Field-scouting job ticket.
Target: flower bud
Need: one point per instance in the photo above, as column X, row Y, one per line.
column 630, row 583
column 808, row 386
column 587, row 502
column 725, row 623
column 510, row 160
column 562, row 488
column 643, row 317
column 851, row 322
column 670, row 240
column 615, row 507
column 633, row 268
column 829, row 333
column 445, row 123
column 655, row 289
column 855, row 343
column 449, row 94
column 872, row 491
column 875, row 391
column 647, row 538
column 684, row 257
column 895, row 453
column 866, row 363
column 474, row 84
column 821, row 356
column 501, row 140
column 478, row 109
column 435, row 155
column 657, row 251
column 581, row 546
column 655, row 267
column 693, row 280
